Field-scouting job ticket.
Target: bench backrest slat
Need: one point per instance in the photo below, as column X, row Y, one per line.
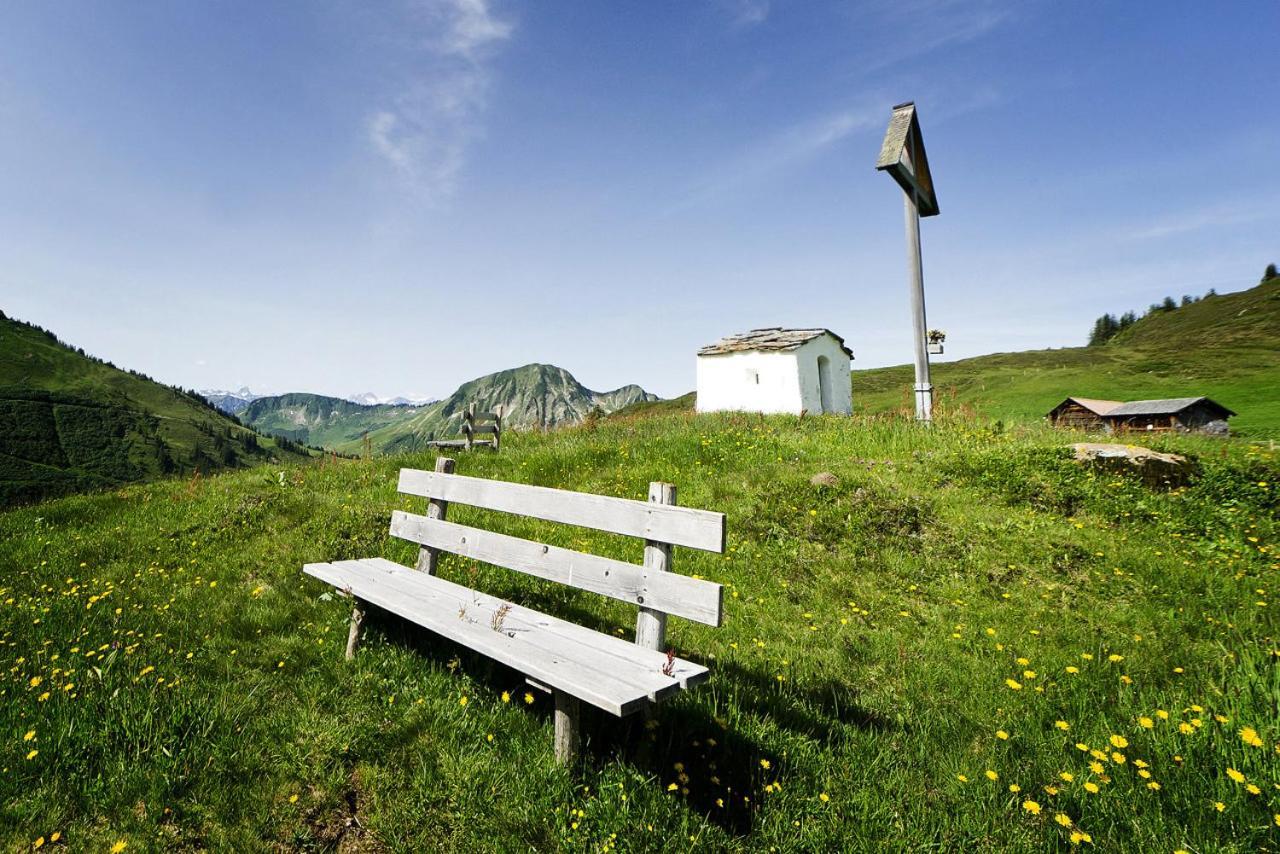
column 680, row 526
column 692, row 598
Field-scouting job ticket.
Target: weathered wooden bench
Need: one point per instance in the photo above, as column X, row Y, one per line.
column 472, row 426
column 573, row 662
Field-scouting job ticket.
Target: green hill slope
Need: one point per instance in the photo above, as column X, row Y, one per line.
column 69, row 422
column 905, row 647
column 328, row 422
column 532, row 396
column 1226, row 347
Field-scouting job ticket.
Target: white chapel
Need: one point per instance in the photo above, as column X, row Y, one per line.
column 776, row 370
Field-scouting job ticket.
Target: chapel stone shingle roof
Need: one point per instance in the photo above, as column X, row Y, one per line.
column 771, row 338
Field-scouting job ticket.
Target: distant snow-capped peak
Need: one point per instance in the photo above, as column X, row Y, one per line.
column 368, row 398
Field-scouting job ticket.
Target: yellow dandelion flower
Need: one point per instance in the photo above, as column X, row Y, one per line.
column 1117, row 757
column 55, row 836
column 1078, row 836
column 1080, row 745
column 962, row 778
column 1250, row 737
column 1119, row 741
column 1063, row 819
column 30, row 735
column 293, row 799
column 1051, row 790
column 1062, row 725
column 36, row 680
column 765, row 764
column 1113, row 658
column 1162, row 714
column 39, row 843
column 1153, row 786
column 1013, row 684
column 1253, row 789
column 32, row 755
column 824, row 797
column 119, row 846
column 1219, row 806
column 1146, row 722
column 462, row 701
column 672, row 787
column 1235, row 775
column 1015, row 788
column 1002, row 735
column 1066, row 776
column 992, row 775
column 1031, row 807
column 1091, row 787
column 1072, row 669
column 1186, row 728
column 528, row 698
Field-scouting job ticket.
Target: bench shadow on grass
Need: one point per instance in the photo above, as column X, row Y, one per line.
column 717, row 770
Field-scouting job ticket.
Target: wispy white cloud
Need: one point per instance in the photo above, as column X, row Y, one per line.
column 914, row 28
column 425, row 131
column 1220, row 215
column 784, row 149
column 795, row 145
column 746, row 13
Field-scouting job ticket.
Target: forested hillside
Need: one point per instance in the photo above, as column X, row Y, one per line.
column 70, row 422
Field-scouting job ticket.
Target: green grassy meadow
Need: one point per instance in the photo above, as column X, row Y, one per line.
column 970, row 643
column 1224, row 347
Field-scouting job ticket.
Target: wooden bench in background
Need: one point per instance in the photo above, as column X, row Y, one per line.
column 473, row 424
column 573, row 662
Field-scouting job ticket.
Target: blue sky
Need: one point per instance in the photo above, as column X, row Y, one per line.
column 340, row 197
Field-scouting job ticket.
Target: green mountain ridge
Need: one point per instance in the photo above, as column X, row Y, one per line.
column 318, row 419
column 533, row 396
column 70, row 423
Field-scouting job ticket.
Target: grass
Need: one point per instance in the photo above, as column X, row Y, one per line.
column 173, row 681
column 1224, row 347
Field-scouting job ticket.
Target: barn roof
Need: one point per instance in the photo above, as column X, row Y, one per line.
column 1097, row 407
column 1168, row 406
column 770, row 338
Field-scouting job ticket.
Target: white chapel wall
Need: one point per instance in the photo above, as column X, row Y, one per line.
column 750, row 381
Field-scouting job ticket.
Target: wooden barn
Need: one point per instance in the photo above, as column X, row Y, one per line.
column 1194, row 414
column 1082, row 413
column 1187, row 414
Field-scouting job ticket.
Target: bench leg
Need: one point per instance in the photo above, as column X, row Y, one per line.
column 567, row 726
column 353, row 635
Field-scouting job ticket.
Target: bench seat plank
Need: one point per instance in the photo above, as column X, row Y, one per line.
column 607, row 672
column 691, row 598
